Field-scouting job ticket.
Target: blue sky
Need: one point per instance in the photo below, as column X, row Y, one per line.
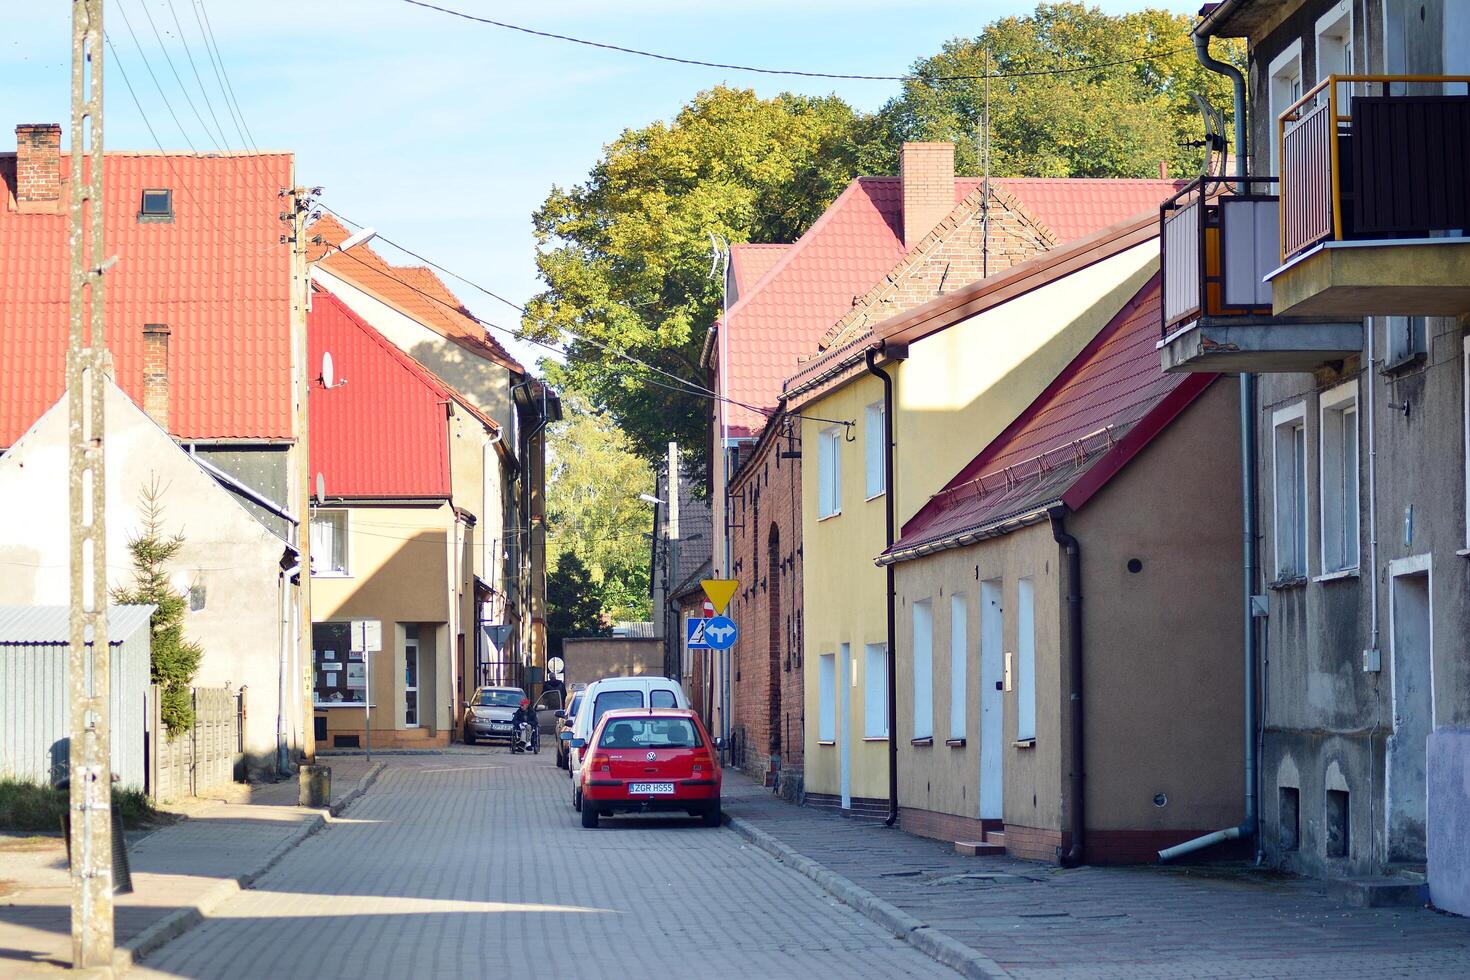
column 446, row 135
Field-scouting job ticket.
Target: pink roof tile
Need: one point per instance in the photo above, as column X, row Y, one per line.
column 218, row 275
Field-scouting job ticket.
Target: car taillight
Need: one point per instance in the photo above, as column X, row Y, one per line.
column 598, row 763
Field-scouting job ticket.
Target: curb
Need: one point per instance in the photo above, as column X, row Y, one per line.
column 937, row 945
column 177, row 923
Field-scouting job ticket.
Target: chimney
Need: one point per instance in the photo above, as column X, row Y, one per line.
column 38, row 168
column 155, row 372
column 926, row 171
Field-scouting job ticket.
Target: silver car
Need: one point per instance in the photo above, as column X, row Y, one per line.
column 488, row 714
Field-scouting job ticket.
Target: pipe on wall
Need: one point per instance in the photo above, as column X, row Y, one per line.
column 1077, row 851
column 881, row 375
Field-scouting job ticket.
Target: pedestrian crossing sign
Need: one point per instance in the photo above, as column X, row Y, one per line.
column 694, row 634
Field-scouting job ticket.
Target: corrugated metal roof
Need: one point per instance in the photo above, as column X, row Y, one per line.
column 218, row 275
column 35, row 625
column 1085, row 416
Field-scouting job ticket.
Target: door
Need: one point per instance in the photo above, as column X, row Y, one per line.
column 844, row 723
column 1413, row 716
column 411, row 683
column 992, row 702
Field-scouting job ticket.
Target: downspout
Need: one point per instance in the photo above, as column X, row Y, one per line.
column 1248, row 827
column 1075, row 853
column 872, row 359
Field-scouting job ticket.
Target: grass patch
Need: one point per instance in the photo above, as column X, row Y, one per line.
column 34, row 807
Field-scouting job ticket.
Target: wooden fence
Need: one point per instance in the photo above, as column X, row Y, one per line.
column 198, row 760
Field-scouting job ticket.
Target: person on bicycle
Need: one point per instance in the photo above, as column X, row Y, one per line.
column 524, row 716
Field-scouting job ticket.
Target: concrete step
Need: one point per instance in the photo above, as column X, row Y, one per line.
column 995, row 837
column 1373, row 893
column 976, row 848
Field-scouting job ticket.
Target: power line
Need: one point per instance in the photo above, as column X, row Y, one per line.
column 219, row 144
column 928, row 80
column 220, row 74
column 208, row 102
column 151, row 74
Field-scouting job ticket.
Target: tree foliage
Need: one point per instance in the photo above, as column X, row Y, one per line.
column 572, row 604
column 174, row 659
column 626, row 255
column 1114, row 120
column 592, row 507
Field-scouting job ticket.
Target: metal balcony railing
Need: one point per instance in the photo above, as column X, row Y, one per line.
column 1374, row 156
column 1218, row 241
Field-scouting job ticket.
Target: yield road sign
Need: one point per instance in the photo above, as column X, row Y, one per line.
column 694, row 634
column 719, row 591
column 720, row 633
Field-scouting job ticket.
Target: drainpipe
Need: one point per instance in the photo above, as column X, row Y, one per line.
column 1248, row 827
column 872, row 359
column 1074, row 855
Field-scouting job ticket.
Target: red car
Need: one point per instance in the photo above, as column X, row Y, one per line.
column 651, row 760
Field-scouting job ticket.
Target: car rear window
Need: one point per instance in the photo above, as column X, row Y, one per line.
column 661, row 699
column 612, row 701
column 651, row 733
column 501, row 699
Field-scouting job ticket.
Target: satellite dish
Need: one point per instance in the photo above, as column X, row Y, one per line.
column 321, row 488
column 329, row 374
column 1215, row 144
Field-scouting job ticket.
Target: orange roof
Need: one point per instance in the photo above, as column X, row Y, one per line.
column 414, row 291
column 218, row 275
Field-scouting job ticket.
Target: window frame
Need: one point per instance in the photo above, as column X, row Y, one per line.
column 1291, row 418
column 827, row 699
column 163, row 217
column 875, row 433
column 1415, row 331
column 345, row 571
column 1333, row 505
column 875, row 691
column 1336, row 27
column 829, row 473
column 923, row 670
column 1026, row 686
column 959, row 657
column 1277, row 76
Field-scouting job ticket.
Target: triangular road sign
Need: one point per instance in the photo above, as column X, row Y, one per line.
column 719, row 591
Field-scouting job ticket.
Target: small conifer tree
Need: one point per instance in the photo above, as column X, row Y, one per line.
column 174, row 659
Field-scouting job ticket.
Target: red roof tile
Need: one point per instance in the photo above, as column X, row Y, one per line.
column 1098, row 412
column 750, row 261
column 855, row 242
column 414, row 291
column 217, row 275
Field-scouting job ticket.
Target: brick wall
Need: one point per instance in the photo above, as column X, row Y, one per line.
column 927, row 174
column 38, row 167
column 766, row 672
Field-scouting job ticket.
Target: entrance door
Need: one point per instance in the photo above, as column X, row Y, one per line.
column 844, row 722
column 992, row 702
column 1413, row 716
column 411, row 683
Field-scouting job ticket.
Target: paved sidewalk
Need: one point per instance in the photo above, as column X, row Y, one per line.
column 1037, row 921
column 179, row 871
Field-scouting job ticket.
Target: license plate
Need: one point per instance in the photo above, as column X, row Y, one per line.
column 497, row 727
column 651, row 789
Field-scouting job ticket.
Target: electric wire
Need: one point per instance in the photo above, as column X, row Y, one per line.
column 153, row 75
column 927, row 80
column 246, row 136
column 208, row 102
column 218, row 143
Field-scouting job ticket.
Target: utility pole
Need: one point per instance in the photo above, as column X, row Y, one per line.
column 300, row 502
column 673, row 640
column 87, row 366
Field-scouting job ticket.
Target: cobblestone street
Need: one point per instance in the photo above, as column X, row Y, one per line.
column 472, row 863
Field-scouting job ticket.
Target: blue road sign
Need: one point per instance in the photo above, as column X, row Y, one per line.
column 720, row 632
column 694, row 634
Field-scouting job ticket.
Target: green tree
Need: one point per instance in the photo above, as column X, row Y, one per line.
column 1114, row 120
column 592, row 508
column 625, row 255
column 572, row 604
column 174, row 659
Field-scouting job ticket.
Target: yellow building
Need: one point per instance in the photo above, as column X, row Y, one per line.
column 962, row 366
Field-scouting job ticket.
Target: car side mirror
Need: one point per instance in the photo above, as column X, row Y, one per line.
column 719, row 743
column 565, row 736
column 578, row 743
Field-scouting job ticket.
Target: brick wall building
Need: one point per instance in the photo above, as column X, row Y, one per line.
column 767, row 716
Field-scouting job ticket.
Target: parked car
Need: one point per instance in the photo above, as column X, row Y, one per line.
column 488, row 714
column 650, row 761
column 610, row 694
column 546, row 707
column 564, row 720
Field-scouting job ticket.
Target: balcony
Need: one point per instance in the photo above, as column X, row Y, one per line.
column 1375, row 192
column 1220, row 238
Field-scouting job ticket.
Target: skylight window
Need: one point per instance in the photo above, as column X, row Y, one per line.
column 158, row 205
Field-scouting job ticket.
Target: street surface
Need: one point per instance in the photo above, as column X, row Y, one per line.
column 472, row 863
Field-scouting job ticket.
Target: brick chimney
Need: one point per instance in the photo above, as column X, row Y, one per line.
column 927, row 173
column 38, row 168
column 155, row 372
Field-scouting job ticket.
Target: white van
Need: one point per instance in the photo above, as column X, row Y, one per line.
column 611, row 693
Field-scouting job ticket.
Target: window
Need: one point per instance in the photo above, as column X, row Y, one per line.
column 1025, row 660
column 1339, row 494
column 923, row 669
column 959, row 653
column 661, row 699
column 1467, row 442
column 157, row 205
column 651, row 733
column 329, row 542
column 829, row 473
column 875, row 690
column 826, row 698
column 876, row 435
column 1286, row 88
column 338, row 675
column 1335, row 48
column 1404, row 341
column 612, row 701
column 1290, row 463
